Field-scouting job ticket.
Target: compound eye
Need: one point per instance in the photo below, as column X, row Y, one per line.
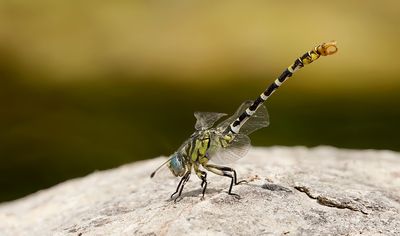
column 176, row 165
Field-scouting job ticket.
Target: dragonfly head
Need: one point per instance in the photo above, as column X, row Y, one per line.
column 176, row 165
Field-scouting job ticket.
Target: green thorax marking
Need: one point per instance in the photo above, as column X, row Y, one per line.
column 199, row 145
column 202, row 141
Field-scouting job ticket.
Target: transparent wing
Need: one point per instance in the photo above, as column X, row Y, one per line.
column 206, row 120
column 224, row 124
column 258, row 120
column 223, row 153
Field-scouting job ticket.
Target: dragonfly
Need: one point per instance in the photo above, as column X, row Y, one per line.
column 211, row 147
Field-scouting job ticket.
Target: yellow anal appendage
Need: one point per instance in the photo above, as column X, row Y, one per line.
column 327, row 49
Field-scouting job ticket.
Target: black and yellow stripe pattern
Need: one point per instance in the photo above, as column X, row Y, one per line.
column 324, row 49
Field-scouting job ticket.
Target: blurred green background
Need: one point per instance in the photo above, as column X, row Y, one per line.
column 89, row 85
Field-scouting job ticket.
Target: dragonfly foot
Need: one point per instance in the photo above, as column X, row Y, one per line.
column 242, row 181
column 172, row 195
column 237, row 196
column 177, row 199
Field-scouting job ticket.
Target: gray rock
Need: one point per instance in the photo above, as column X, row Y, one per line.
column 291, row 191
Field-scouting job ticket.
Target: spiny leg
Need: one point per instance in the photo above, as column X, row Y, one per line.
column 204, row 183
column 177, row 188
column 225, row 168
column 203, row 176
column 181, row 185
column 224, row 171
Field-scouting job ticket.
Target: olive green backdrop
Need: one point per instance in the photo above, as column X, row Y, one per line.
column 89, row 85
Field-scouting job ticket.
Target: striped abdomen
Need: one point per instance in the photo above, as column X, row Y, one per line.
column 309, row 57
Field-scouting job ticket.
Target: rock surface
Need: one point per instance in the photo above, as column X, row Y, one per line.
column 291, row 191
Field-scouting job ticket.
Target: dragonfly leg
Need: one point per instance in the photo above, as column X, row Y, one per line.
column 203, row 176
column 181, row 184
column 235, row 176
column 225, row 171
column 204, row 183
column 225, row 168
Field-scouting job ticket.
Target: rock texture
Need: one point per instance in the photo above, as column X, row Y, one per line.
column 291, row 191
